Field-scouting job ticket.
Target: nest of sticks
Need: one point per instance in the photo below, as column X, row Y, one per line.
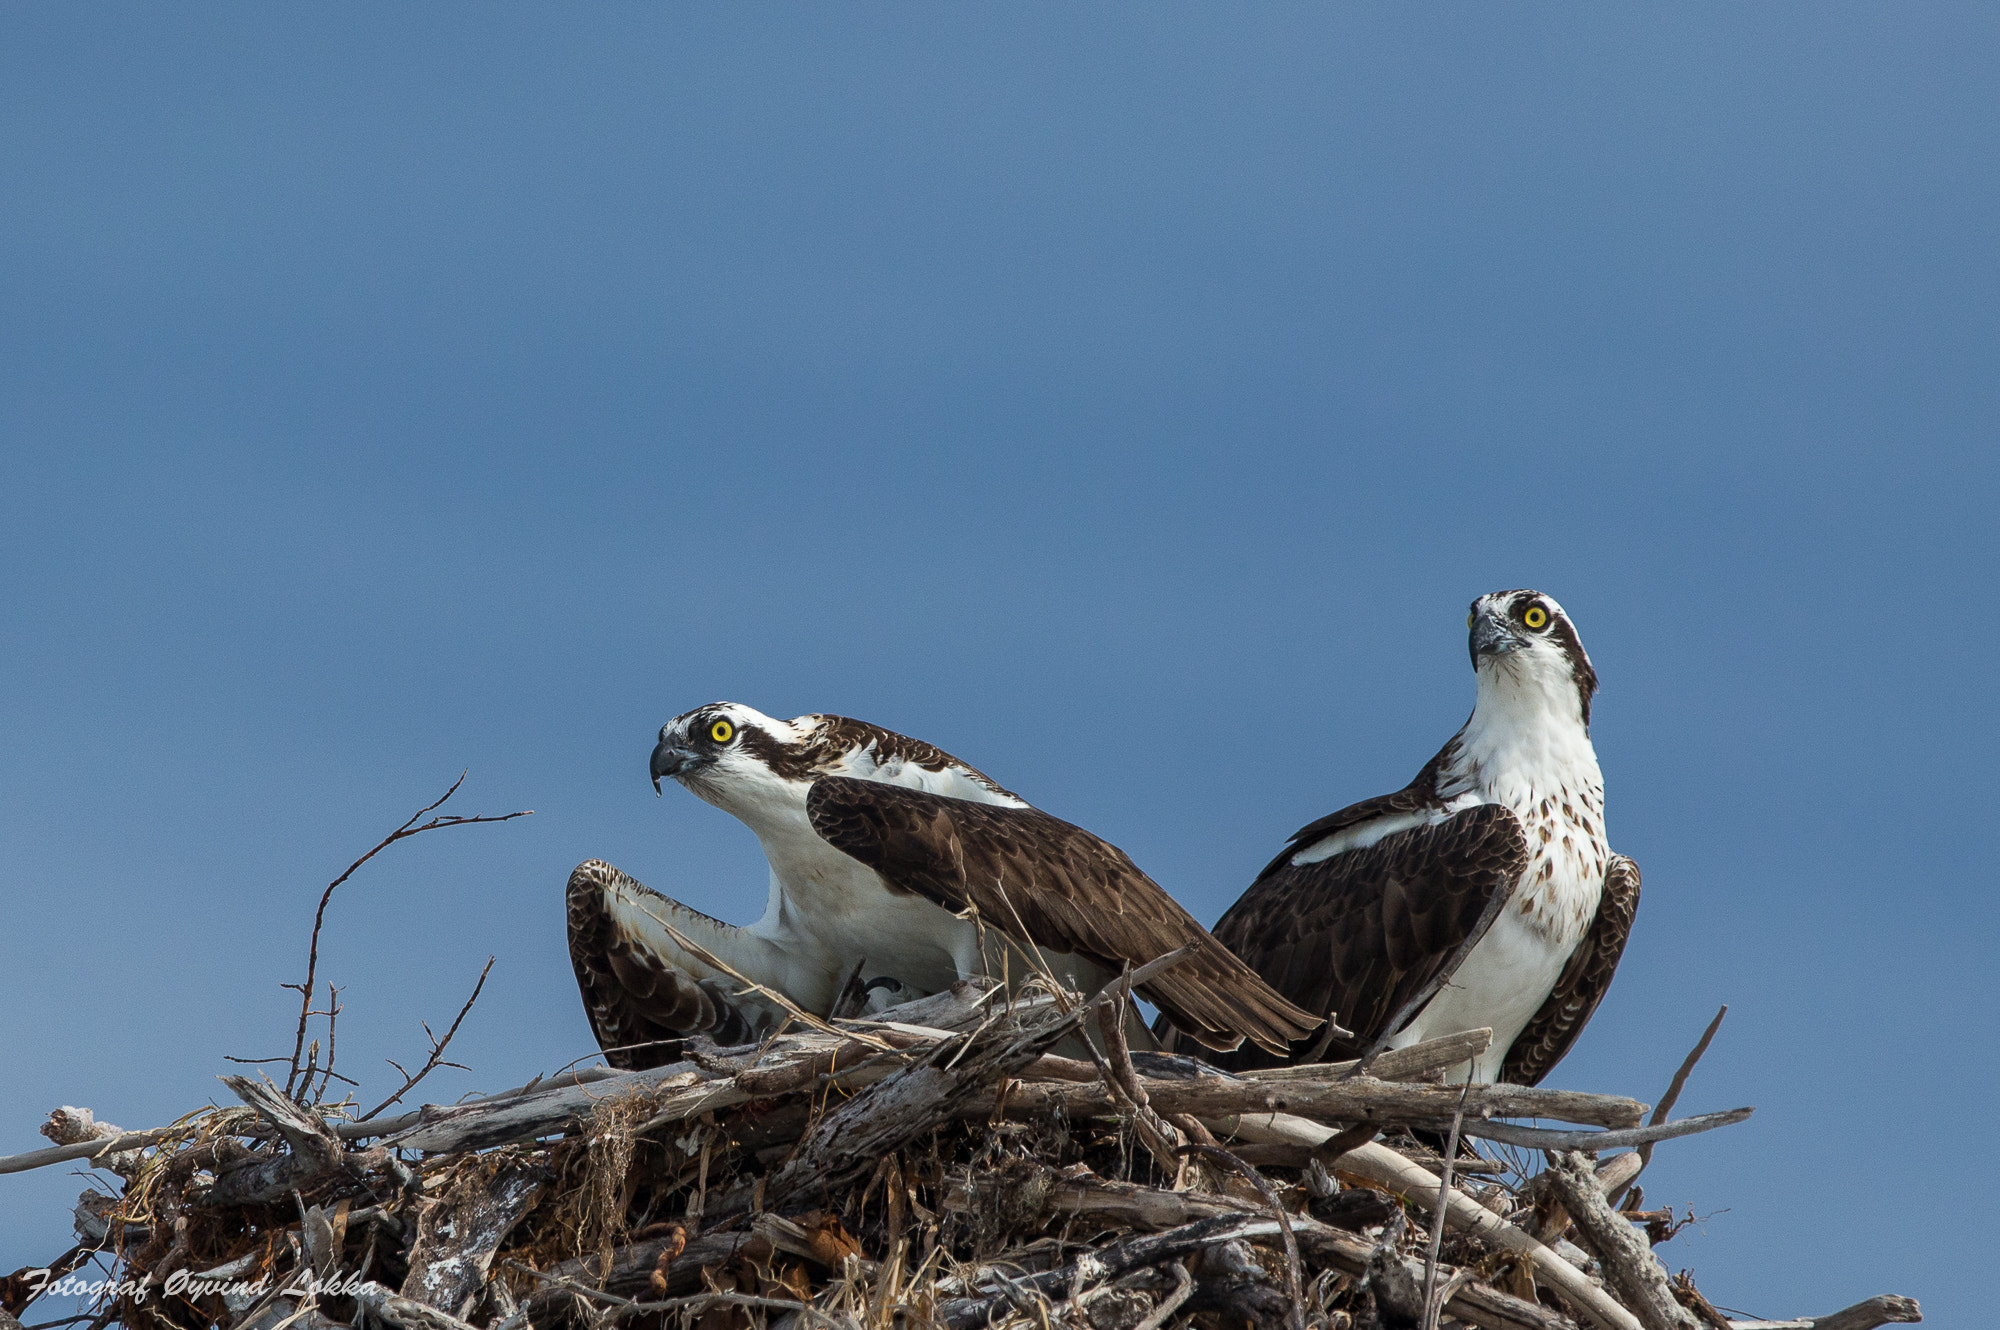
column 983, row 1157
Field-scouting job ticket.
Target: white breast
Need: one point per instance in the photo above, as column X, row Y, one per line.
column 1546, row 772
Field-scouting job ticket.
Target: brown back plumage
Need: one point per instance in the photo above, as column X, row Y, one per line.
column 1361, row 933
column 1069, row 891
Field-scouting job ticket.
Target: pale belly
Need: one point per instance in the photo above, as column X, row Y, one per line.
column 852, row 919
column 888, row 935
column 1502, row 984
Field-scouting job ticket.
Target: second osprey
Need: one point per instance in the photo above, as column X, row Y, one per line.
column 894, row 866
column 1493, row 861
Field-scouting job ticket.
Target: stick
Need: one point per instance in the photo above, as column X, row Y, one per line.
column 1107, row 1263
column 1867, row 1315
column 403, row 1312
column 909, row 1101
column 409, row 828
column 1379, row 1164
column 315, row 1151
column 437, row 1048
column 1162, row 1140
column 1432, row 1305
column 1538, row 1138
column 1629, row 1264
column 1294, row 1282
column 1673, row 1094
column 1398, row 1064
column 1882, row 1310
column 1183, row 1289
column 455, row 1242
column 1353, row 1100
column 58, row 1154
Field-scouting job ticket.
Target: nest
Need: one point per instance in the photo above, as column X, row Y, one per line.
column 947, row 1164
column 984, row 1157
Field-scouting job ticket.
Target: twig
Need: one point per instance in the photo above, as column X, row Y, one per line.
column 437, row 1049
column 627, row 1307
column 1114, row 1066
column 409, row 828
column 1293, row 1280
column 1183, row 1290
column 1673, row 1094
column 332, row 1023
column 1433, row 1305
column 1541, row 1138
column 1326, row 1037
column 1630, row 1268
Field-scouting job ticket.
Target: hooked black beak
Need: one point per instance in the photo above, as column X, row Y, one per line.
column 1491, row 637
column 669, row 760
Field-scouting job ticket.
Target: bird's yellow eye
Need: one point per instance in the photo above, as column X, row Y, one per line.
column 1535, row 617
column 722, row 731
column 1470, row 615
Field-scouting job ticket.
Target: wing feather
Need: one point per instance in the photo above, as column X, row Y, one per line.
column 1585, row 979
column 642, row 993
column 1068, row 891
column 1362, row 933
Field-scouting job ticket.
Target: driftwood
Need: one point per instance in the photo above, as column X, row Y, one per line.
column 456, row 1237
column 1509, row 1133
column 1885, row 1310
column 405, row 1312
column 852, row 1139
column 315, row 1151
column 93, row 1149
column 1628, row 1260
column 1397, row 1064
column 1076, row 1193
column 1357, row 1099
column 940, row 1158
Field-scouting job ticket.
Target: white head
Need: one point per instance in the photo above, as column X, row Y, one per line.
column 761, row 768
column 1526, row 653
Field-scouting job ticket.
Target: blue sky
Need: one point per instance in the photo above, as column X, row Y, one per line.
column 1127, row 399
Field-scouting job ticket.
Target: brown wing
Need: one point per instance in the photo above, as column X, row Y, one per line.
column 642, row 996
column 1072, row 894
column 1364, row 932
column 1585, row 979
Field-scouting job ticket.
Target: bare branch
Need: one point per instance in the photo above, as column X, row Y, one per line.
column 437, row 1049
column 412, row 827
column 1674, row 1088
column 1541, row 1138
column 1296, row 1284
column 1434, row 1305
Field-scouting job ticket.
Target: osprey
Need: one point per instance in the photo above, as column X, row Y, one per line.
column 1493, row 858
column 896, row 870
